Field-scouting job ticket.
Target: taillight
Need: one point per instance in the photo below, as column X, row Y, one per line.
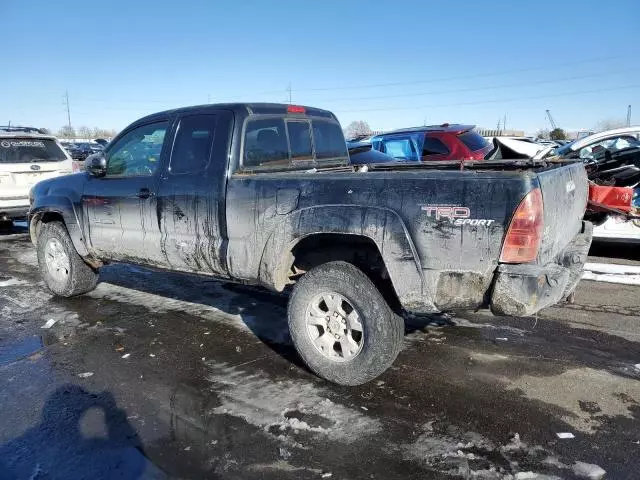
column 295, row 109
column 525, row 230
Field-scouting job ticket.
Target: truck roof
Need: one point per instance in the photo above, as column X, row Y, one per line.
column 247, row 109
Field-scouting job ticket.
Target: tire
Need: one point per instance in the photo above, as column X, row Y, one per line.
column 382, row 331
column 80, row 278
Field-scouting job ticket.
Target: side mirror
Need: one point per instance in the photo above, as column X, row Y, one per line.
column 96, row 165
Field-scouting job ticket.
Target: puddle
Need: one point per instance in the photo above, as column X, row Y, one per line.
column 14, row 351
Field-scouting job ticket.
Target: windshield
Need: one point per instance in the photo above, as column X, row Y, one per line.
column 27, row 150
column 612, row 145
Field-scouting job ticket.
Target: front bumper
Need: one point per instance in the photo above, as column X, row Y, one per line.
column 522, row 290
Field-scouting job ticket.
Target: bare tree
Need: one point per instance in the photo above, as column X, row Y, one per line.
column 609, row 124
column 67, row 132
column 85, row 132
column 357, row 129
column 104, row 132
column 543, row 134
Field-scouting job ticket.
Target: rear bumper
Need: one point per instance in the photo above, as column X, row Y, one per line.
column 10, row 213
column 522, row 290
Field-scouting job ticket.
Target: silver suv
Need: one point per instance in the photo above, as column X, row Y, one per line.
column 27, row 156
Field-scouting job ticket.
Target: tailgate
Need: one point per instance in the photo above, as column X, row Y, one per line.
column 16, row 179
column 564, row 193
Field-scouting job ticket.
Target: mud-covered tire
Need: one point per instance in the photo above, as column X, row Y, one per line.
column 80, row 277
column 382, row 330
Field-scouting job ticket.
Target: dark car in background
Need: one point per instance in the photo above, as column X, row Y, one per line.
column 431, row 143
column 363, row 153
column 74, row 151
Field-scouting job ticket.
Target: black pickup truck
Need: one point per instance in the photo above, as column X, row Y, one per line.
column 265, row 194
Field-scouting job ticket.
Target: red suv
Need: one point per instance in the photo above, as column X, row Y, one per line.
column 435, row 142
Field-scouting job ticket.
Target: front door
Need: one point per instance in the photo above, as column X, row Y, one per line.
column 121, row 206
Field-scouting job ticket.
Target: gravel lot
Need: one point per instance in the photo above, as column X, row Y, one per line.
column 159, row 375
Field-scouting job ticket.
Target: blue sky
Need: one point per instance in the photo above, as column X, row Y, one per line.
column 393, row 64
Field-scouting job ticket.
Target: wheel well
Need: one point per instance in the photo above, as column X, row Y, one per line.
column 358, row 250
column 39, row 220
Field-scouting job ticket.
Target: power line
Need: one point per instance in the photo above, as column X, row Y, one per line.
column 478, row 75
column 288, row 90
column 491, row 87
column 496, row 100
column 376, row 85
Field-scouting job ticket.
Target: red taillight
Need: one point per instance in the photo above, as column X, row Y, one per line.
column 525, row 230
column 295, row 109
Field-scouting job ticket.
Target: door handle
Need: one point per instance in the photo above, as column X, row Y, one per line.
column 144, row 193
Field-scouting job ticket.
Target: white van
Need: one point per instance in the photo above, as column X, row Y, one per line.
column 27, row 155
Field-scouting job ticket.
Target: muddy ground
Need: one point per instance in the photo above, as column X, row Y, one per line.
column 158, row 375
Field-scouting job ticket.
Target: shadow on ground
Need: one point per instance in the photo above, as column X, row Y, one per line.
column 80, row 435
column 615, row 250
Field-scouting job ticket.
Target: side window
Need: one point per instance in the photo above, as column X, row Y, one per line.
column 265, row 143
column 433, row 146
column 329, row 140
column 192, row 147
column 138, row 152
column 399, row 147
column 300, row 140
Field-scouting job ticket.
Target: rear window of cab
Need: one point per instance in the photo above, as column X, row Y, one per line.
column 289, row 143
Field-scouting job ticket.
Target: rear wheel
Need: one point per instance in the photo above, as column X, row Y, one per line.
column 63, row 270
column 341, row 325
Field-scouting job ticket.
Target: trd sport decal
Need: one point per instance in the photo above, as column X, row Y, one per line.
column 458, row 216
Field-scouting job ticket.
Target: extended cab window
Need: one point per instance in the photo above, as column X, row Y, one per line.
column 138, row 152
column 329, row 140
column 192, row 147
column 265, row 143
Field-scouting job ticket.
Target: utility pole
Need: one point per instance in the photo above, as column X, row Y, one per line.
column 498, row 127
column 289, row 90
column 66, row 101
column 504, row 124
column 629, row 116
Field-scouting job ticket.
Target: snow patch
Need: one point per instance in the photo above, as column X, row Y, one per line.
column 263, row 327
column 286, row 406
column 13, row 282
column 588, row 470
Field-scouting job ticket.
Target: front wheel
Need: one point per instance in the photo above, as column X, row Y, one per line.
column 63, row 270
column 341, row 325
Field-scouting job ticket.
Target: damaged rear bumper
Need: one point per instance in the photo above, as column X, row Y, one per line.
column 522, row 290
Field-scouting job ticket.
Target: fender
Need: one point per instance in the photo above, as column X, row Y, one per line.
column 383, row 226
column 61, row 203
